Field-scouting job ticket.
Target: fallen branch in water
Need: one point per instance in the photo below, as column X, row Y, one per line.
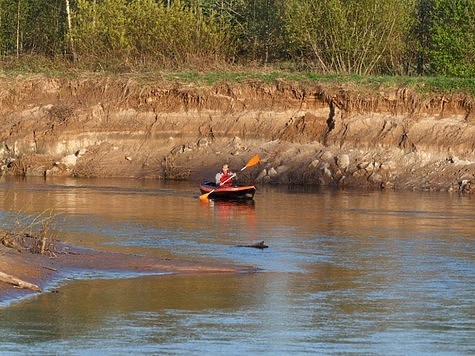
column 260, row 245
column 18, row 282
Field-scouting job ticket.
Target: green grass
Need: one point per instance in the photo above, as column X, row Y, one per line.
column 418, row 84
column 233, row 74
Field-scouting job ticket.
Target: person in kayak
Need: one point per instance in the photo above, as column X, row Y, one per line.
column 224, row 177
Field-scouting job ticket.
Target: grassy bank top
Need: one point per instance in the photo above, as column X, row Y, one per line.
column 418, row 84
column 239, row 74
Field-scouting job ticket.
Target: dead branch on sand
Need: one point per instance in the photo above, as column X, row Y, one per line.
column 35, row 235
column 41, row 230
column 7, row 278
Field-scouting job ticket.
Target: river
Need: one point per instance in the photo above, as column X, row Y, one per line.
column 345, row 271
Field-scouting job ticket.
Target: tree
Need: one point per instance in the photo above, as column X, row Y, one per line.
column 44, row 28
column 451, row 30
column 18, row 16
column 144, row 30
column 260, row 30
column 32, row 27
column 70, row 37
column 357, row 36
column 99, row 29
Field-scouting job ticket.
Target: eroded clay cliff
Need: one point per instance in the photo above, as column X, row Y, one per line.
column 305, row 134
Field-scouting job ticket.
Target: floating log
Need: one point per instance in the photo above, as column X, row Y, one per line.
column 259, row 245
column 18, row 282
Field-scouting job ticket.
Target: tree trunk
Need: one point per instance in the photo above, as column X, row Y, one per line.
column 71, row 42
column 18, row 30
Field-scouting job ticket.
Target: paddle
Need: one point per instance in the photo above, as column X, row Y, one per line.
column 253, row 161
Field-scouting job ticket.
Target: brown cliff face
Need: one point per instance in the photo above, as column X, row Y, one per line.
column 313, row 134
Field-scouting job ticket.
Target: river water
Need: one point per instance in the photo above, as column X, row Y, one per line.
column 346, row 271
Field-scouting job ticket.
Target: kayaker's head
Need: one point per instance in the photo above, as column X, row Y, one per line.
column 225, row 168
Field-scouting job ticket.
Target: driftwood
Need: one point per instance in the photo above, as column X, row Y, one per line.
column 18, row 282
column 260, row 245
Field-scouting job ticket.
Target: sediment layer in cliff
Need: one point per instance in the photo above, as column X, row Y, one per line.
column 305, row 134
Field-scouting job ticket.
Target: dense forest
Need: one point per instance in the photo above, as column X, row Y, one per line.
column 367, row 37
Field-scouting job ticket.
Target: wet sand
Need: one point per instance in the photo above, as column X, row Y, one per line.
column 41, row 269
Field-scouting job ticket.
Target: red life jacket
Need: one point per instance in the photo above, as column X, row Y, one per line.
column 224, row 177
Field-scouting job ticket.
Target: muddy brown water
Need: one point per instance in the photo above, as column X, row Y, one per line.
column 345, row 271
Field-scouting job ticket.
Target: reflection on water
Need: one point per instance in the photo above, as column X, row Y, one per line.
column 371, row 272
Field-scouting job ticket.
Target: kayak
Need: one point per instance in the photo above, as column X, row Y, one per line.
column 239, row 192
column 227, row 193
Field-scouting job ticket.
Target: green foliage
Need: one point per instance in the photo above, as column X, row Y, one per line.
column 142, row 30
column 452, row 31
column 45, row 28
column 8, row 16
column 32, row 27
column 359, row 36
column 363, row 37
column 260, row 23
column 99, row 29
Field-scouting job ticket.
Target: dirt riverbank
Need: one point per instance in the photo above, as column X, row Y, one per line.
column 309, row 134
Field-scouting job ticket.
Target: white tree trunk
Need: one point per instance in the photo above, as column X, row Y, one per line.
column 18, row 29
column 71, row 42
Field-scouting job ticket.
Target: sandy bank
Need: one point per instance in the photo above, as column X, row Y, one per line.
column 312, row 134
column 42, row 269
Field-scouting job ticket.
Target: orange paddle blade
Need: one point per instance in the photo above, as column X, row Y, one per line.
column 253, row 161
column 204, row 196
